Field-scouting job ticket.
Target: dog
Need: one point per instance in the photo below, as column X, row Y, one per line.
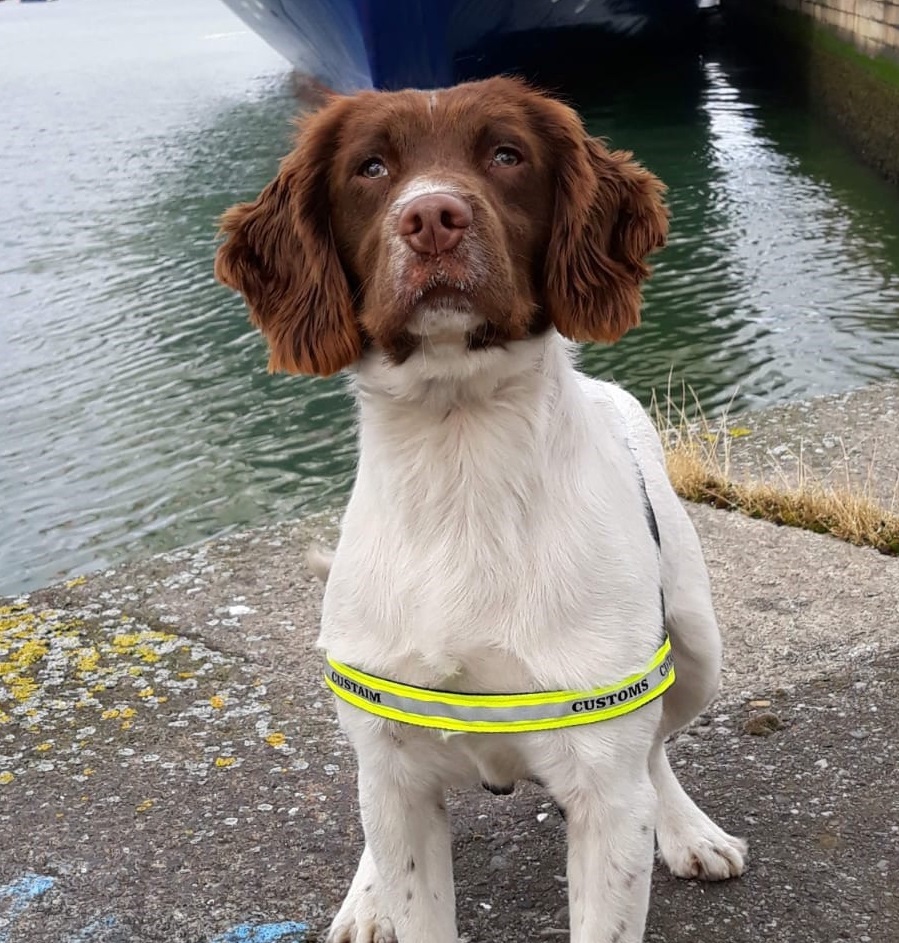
column 512, row 528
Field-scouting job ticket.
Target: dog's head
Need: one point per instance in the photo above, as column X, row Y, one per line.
column 468, row 218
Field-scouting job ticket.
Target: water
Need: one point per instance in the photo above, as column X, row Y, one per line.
column 135, row 411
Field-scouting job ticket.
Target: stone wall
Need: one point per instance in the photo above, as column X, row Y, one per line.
column 844, row 54
column 871, row 25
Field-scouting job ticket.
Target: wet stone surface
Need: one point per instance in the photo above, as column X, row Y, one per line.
column 842, row 439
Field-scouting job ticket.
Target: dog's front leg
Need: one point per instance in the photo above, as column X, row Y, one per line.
column 407, row 832
column 603, row 786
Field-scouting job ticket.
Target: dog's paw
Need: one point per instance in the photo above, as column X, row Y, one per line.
column 360, row 920
column 695, row 847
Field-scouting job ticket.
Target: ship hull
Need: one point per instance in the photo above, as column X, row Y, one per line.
column 352, row 44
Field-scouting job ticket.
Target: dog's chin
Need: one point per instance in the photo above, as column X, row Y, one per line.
column 444, row 317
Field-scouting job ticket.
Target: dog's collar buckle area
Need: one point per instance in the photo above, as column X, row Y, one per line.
column 500, row 713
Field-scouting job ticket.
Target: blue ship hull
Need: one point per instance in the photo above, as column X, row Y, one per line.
column 352, row 44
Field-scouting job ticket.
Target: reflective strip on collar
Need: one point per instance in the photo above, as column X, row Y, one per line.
column 500, row 713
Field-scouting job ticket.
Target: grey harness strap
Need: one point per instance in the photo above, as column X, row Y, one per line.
column 651, row 522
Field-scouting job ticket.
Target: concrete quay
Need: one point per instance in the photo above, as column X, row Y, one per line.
column 171, row 770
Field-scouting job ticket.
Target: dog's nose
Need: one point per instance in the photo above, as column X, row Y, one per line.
column 434, row 223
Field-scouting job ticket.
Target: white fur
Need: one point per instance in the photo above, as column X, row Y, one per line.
column 319, row 562
column 421, row 186
column 496, row 541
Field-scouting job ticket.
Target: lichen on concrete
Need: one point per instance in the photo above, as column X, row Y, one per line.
column 90, row 666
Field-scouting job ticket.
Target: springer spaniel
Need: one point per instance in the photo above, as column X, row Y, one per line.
column 511, row 528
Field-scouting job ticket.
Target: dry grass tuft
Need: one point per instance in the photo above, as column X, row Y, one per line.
column 699, row 457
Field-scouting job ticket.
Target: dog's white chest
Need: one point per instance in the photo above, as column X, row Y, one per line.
column 491, row 548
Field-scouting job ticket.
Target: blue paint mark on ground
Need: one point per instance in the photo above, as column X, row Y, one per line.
column 31, row 885
column 287, row 932
column 21, row 893
column 15, row 898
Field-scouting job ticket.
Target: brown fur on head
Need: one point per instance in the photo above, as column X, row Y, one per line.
column 559, row 236
column 609, row 217
column 279, row 253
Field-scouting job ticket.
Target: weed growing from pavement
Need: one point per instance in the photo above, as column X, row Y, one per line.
column 699, row 456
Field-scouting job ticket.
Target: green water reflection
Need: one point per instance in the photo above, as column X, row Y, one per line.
column 136, row 412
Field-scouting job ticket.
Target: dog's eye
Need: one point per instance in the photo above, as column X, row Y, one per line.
column 372, row 167
column 506, row 156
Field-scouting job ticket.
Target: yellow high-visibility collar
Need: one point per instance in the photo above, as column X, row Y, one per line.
column 500, row 713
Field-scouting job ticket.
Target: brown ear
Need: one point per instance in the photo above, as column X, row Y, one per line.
column 279, row 253
column 609, row 216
